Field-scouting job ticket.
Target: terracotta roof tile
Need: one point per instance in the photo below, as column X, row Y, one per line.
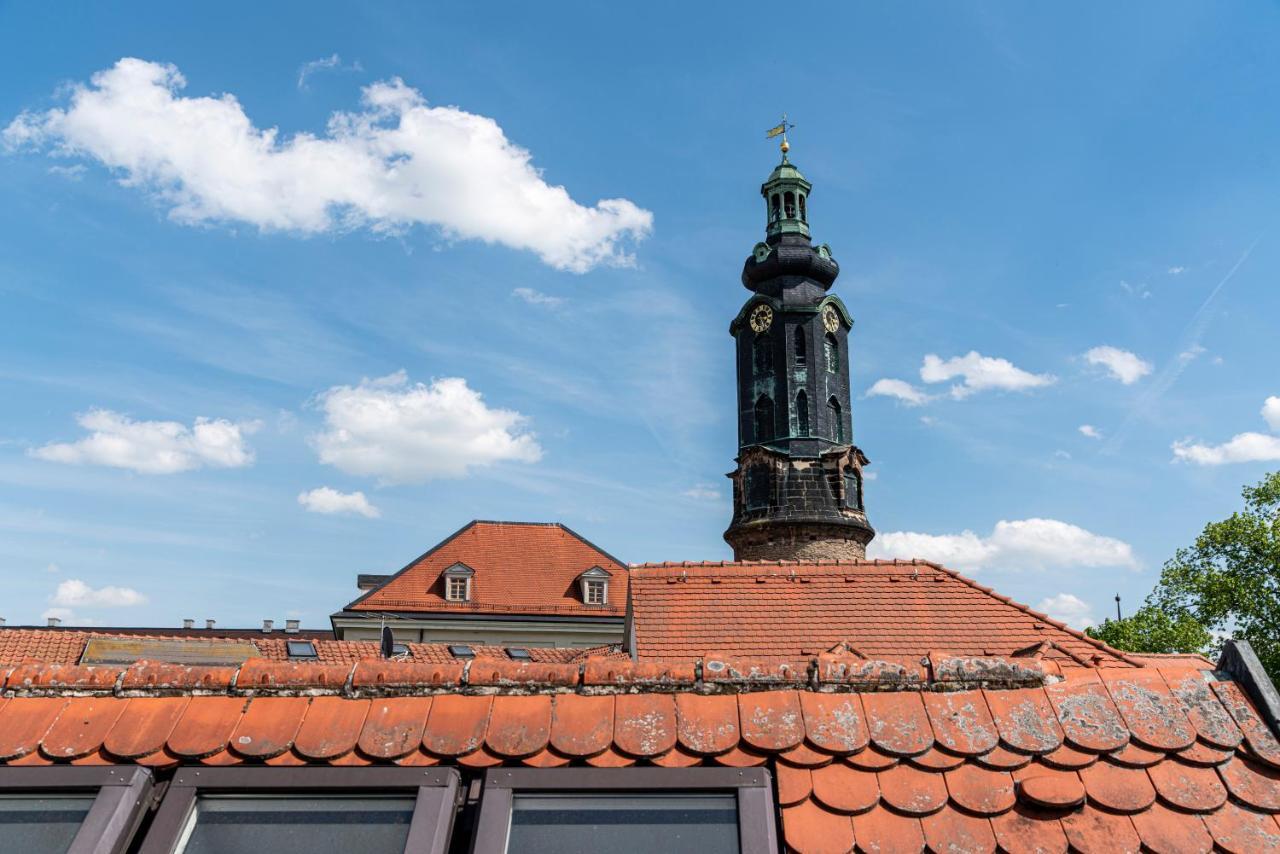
column 520, row 568
column 890, row 770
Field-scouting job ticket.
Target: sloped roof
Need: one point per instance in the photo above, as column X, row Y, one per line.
column 1104, row 760
column 520, row 568
column 877, row 609
column 62, row 646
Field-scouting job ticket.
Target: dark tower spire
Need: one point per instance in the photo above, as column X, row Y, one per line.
column 797, row 489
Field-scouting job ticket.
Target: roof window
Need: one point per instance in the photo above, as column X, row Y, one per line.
column 301, row 650
column 461, row 650
column 518, row 653
column 457, row 583
column 595, row 586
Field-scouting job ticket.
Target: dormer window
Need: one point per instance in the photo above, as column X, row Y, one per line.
column 595, row 586
column 457, row 583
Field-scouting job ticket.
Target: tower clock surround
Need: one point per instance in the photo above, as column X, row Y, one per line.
column 798, row 483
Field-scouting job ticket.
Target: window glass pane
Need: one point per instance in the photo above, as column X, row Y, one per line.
column 581, row 823
column 41, row 824
column 246, row 824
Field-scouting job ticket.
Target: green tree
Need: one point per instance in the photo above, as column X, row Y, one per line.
column 1225, row 585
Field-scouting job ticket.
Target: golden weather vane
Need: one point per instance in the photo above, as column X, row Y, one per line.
column 781, row 129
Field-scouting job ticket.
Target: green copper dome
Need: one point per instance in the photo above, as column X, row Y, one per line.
column 786, row 194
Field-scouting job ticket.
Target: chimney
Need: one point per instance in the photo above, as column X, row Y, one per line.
column 267, row 624
column 291, row 626
column 209, row 624
column 188, row 624
column 54, row 622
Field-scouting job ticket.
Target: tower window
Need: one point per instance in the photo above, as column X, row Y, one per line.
column 802, row 413
column 803, row 215
column 801, row 347
column 762, row 353
column 757, row 488
column 776, row 213
column 831, row 348
column 853, row 491
column 764, row 418
column 837, row 421
column 790, row 204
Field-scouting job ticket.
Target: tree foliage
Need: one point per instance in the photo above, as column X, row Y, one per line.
column 1227, row 584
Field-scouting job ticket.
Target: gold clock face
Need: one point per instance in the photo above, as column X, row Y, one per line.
column 761, row 318
column 830, row 319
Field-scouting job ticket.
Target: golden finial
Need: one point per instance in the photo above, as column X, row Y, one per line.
column 781, row 130
column 785, row 146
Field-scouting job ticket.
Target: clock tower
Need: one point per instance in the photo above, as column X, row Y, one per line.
column 797, row 488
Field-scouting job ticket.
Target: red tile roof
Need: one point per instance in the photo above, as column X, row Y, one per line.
column 876, row 609
column 520, row 568
column 1103, row 760
column 63, row 646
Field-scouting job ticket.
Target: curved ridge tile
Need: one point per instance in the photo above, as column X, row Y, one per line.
column 24, row 722
column 331, row 728
column 519, row 726
column 961, row 721
column 82, row 727
column 1025, row 719
column 794, row 785
column 1089, row 720
column 1188, row 787
column 581, row 724
column 834, row 722
column 456, row 724
column 771, row 720
column 1237, row 830
column 1255, row 785
column 268, row 726
column 1027, row 828
column 393, row 727
column 1211, row 721
column 954, row 832
column 844, row 789
column 1094, row 831
column 882, row 830
column 644, row 724
column 980, row 790
column 911, row 790
column 898, row 723
column 1256, row 733
column 1123, row 790
column 707, row 724
column 809, row 829
column 144, row 726
column 1154, row 717
column 205, row 727
column 1167, row 831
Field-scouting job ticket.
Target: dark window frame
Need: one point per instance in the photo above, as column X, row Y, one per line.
column 121, row 795
column 437, row 790
column 757, row 825
column 313, row 655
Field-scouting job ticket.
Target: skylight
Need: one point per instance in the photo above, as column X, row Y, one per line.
column 517, row 653
column 301, row 649
column 461, row 650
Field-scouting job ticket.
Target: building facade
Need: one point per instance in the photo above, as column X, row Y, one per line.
column 798, row 485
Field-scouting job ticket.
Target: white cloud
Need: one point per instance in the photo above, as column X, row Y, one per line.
column 1062, row 455
column 328, row 63
column 153, row 447
column 402, row 433
column 1069, row 609
column 1020, row 544
column 1090, row 431
column 1243, row 448
column 1190, row 354
column 1135, row 290
column 1271, row 412
column 74, row 172
column 74, row 593
column 703, row 492
column 394, row 163
column 980, row 373
column 899, row 389
column 53, row 569
column 67, row 616
column 1121, row 364
column 1177, row 271
column 327, row 500
column 533, row 297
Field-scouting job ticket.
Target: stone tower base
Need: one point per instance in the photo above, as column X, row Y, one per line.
column 802, row 542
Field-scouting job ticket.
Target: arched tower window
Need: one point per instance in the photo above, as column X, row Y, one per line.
column 803, row 216
column 837, row 420
column 831, row 348
column 790, row 204
column 801, row 347
column 776, row 213
column 764, row 418
column 802, row 413
column 852, row 490
column 762, row 355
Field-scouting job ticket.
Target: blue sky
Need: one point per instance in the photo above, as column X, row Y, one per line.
column 479, row 261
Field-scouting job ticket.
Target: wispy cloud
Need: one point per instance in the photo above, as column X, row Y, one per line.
column 395, row 163
column 533, row 297
column 1068, row 608
column 329, row 63
column 703, row 492
column 1177, row 270
column 1089, row 431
